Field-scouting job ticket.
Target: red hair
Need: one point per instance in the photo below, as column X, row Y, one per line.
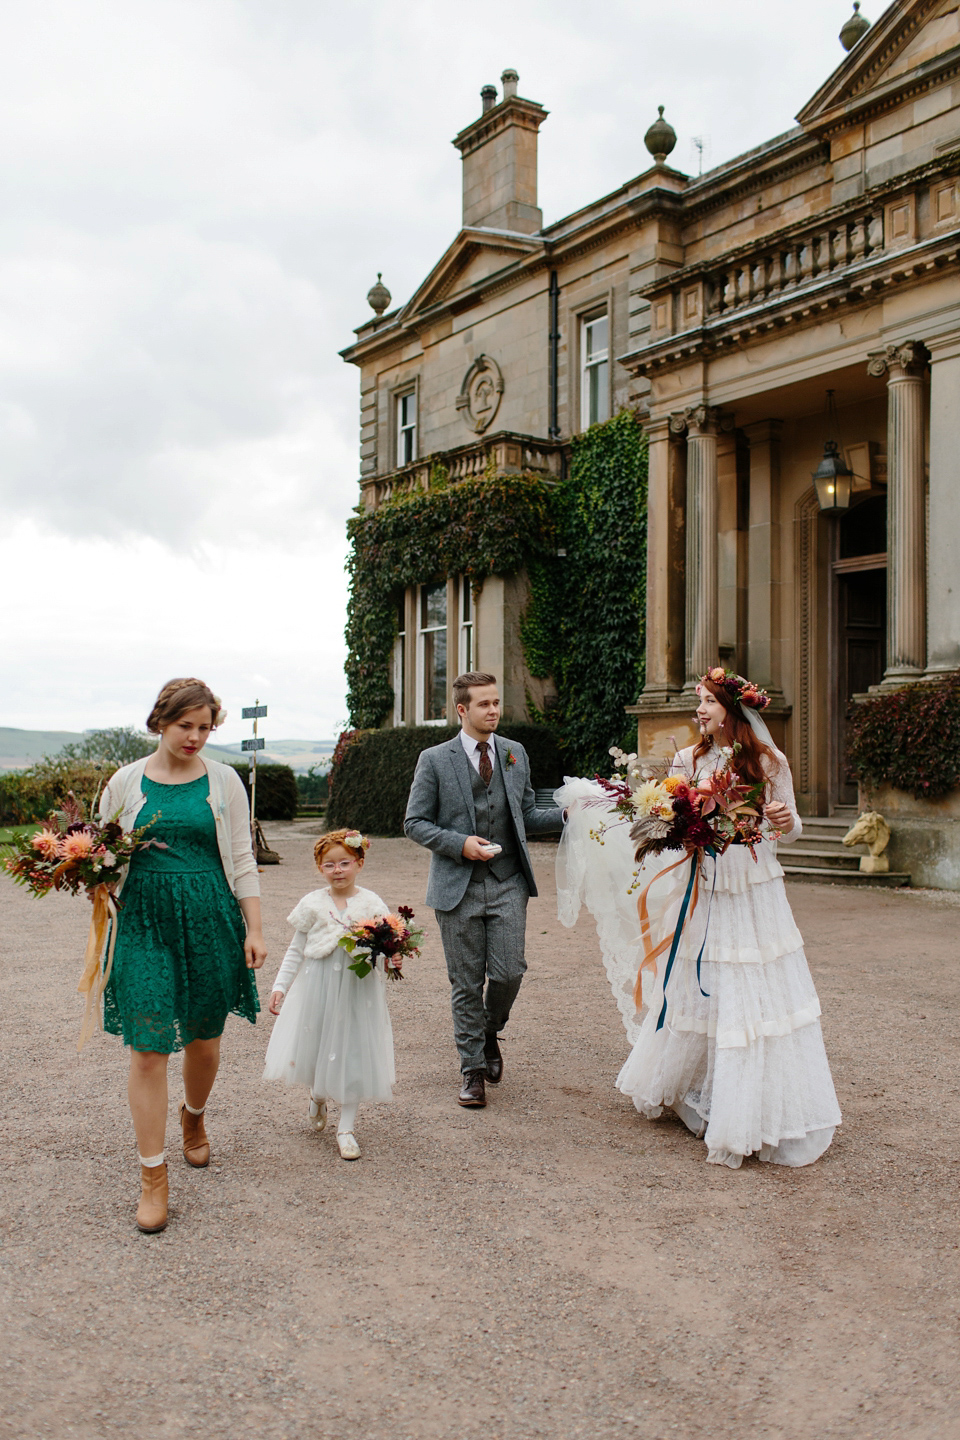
column 748, row 760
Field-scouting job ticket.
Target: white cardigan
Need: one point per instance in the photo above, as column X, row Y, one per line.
column 123, row 799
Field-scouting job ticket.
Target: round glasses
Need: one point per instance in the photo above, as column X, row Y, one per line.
column 329, row 866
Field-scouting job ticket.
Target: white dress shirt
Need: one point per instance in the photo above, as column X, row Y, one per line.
column 472, row 751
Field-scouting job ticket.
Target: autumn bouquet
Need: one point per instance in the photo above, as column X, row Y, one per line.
column 390, row 938
column 667, row 811
column 675, row 812
column 73, row 852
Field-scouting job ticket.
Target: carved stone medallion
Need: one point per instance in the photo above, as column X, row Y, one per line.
column 480, row 393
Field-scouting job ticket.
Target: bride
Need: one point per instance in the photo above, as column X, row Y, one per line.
column 740, row 1055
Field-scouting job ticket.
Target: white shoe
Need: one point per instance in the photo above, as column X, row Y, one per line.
column 349, row 1149
column 317, row 1113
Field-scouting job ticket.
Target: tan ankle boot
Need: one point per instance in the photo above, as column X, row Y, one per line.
column 196, row 1146
column 152, row 1210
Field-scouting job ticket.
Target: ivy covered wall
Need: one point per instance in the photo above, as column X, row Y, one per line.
column 585, row 622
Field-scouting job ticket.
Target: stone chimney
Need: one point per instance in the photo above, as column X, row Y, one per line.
column 500, row 161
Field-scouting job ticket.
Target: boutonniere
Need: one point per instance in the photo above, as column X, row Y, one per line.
column 511, row 759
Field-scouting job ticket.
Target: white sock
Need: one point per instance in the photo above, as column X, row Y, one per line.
column 151, row 1161
column 348, row 1118
column 191, row 1109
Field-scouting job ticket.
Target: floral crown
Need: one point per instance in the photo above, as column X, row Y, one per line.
column 739, row 690
column 356, row 841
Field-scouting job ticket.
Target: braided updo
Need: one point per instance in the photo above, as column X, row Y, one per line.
column 179, row 696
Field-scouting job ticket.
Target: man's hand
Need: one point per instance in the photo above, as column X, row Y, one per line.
column 475, row 848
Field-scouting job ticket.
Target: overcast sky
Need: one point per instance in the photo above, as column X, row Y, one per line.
column 195, row 197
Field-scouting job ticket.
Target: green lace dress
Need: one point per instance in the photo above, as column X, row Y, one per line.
column 178, row 969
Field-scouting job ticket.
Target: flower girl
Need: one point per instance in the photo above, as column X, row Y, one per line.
column 333, row 1033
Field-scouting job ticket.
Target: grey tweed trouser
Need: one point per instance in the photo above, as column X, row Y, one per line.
column 483, row 941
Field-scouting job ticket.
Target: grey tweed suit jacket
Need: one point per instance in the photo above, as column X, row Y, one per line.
column 441, row 815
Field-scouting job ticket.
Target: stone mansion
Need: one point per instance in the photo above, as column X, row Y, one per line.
column 723, row 308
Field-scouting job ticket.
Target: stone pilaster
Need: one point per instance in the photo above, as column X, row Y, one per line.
column 943, row 626
column 665, row 562
column 904, row 367
column 764, row 581
column 701, row 423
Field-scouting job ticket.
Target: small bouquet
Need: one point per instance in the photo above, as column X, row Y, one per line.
column 74, row 852
column 390, row 937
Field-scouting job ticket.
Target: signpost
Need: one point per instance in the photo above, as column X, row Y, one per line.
column 256, row 712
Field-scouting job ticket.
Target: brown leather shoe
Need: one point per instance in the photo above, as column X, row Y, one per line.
column 491, row 1053
column 152, row 1210
column 472, row 1092
column 196, row 1146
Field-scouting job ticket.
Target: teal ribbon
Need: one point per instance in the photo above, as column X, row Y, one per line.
column 694, row 862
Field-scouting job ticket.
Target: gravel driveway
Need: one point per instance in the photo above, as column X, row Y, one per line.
column 551, row 1266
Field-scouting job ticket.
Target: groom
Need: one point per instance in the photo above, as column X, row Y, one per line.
column 472, row 804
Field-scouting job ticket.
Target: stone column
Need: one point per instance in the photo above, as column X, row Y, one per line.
column 702, row 625
column 764, row 623
column 904, row 366
column 665, row 560
column 943, row 631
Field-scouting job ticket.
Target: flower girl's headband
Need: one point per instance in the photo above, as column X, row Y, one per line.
column 356, row 841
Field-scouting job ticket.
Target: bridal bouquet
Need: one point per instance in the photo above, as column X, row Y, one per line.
column 675, row 812
column 75, row 852
column 390, row 937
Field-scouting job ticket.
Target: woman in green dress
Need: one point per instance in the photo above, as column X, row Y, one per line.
column 189, row 934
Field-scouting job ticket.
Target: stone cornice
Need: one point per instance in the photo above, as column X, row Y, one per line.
column 886, row 97
column 800, row 304
column 528, row 114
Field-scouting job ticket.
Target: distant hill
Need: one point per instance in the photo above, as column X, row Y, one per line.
column 298, row 754
column 22, row 748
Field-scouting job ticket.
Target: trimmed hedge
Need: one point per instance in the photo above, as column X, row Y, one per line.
column 31, row 794
column 909, row 738
column 277, row 795
column 373, row 771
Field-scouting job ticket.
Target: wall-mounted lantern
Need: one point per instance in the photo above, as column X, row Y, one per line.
column 833, row 477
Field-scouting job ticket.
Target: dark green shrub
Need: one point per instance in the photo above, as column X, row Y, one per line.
column 31, row 794
column 313, row 787
column 909, row 738
column 373, row 771
column 277, row 797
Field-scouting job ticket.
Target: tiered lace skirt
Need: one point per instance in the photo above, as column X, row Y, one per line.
column 742, row 1064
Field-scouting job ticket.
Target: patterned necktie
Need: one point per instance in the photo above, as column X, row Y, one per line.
column 486, row 769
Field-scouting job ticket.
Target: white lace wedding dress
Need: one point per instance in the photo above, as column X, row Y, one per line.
column 744, row 1065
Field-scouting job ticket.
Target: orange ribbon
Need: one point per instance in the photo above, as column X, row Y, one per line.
column 651, row 954
column 92, row 983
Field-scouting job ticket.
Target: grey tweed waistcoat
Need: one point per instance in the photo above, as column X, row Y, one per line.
column 494, row 823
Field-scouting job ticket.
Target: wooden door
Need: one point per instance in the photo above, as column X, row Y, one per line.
column 861, row 654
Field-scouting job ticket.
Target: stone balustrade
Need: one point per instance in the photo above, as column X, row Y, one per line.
column 766, row 272
column 501, row 454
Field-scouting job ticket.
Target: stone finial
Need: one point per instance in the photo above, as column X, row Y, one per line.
column 873, row 831
column 378, row 296
column 660, row 138
column 509, row 80
column 855, row 28
column 488, row 97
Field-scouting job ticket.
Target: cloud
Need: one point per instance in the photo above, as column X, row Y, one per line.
column 197, row 198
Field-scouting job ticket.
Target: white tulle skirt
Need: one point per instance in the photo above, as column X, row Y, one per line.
column 333, row 1033
column 743, row 1064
